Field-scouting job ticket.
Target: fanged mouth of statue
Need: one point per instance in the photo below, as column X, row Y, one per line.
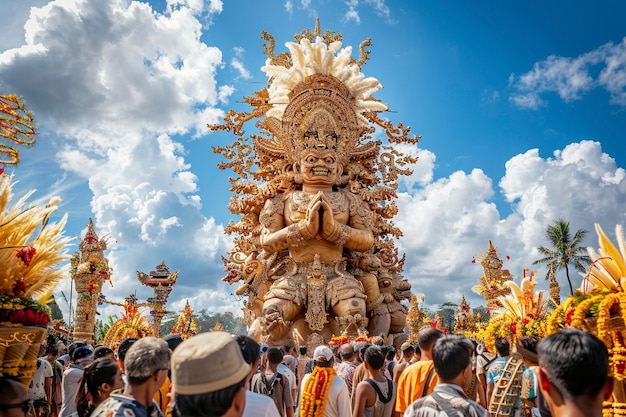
column 320, row 171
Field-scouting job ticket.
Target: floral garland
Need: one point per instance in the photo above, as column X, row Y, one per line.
column 338, row 341
column 510, row 327
column 22, row 311
column 315, row 392
column 581, row 311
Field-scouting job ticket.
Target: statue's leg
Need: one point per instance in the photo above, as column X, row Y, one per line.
column 346, row 297
column 380, row 321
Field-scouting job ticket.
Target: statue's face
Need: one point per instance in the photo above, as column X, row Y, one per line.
column 319, row 169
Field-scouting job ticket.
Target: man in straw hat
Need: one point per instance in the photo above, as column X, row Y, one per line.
column 209, row 375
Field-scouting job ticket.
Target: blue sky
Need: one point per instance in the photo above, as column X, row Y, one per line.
column 521, row 107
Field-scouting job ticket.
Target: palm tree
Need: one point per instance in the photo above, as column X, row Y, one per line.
column 565, row 250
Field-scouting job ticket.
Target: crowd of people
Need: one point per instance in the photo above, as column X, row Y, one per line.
column 218, row 374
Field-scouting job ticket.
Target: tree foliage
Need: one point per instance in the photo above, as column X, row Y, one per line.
column 565, row 250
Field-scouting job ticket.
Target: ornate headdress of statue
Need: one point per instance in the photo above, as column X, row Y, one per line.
column 319, row 101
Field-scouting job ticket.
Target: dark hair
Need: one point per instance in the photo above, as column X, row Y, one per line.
column 427, row 338
column 274, row 355
column 101, row 371
column 408, row 351
column 80, row 353
column 374, row 357
column 124, row 346
column 527, row 347
column 73, row 346
column 363, row 349
column 302, row 350
column 102, row 351
column 391, row 353
column 503, row 347
column 451, row 355
column 249, row 348
column 173, row 340
column 576, row 362
column 211, row 404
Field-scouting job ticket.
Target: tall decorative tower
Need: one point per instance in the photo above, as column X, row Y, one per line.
column 555, row 289
column 185, row 325
column 491, row 284
column 464, row 317
column 89, row 271
column 162, row 281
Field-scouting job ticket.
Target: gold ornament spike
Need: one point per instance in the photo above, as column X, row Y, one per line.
column 17, row 126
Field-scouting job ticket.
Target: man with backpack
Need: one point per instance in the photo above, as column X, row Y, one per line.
column 273, row 384
column 483, row 358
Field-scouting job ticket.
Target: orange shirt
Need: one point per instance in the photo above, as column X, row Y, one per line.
column 411, row 384
column 161, row 395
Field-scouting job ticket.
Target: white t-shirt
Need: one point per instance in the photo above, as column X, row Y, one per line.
column 291, row 377
column 37, row 387
column 259, row 405
column 71, row 385
column 483, row 359
column 339, row 403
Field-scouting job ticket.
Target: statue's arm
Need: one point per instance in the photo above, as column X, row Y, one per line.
column 355, row 235
column 276, row 235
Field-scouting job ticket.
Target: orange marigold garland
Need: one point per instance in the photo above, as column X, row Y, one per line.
column 315, row 392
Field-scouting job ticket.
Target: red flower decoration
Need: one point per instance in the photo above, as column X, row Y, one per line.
column 513, row 327
column 26, row 254
column 19, row 288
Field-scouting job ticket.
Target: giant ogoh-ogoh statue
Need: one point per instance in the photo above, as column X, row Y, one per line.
column 315, row 246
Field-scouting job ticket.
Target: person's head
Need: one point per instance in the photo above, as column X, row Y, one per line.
column 100, row 378
column 14, row 398
column 122, row 349
column 452, row 358
column 362, row 348
column 374, row 358
column 417, row 355
column 73, row 346
column 427, row 338
column 274, row 356
column 302, row 350
column 390, row 353
column 146, row 363
column 173, row 340
column 407, row 351
column 346, row 351
column 82, row 356
column 52, row 352
column 103, row 352
column 527, row 347
column 250, row 350
column 574, row 364
column 503, row 348
column 323, row 356
column 209, row 374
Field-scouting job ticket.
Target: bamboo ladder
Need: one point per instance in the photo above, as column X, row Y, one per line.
column 507, row 389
